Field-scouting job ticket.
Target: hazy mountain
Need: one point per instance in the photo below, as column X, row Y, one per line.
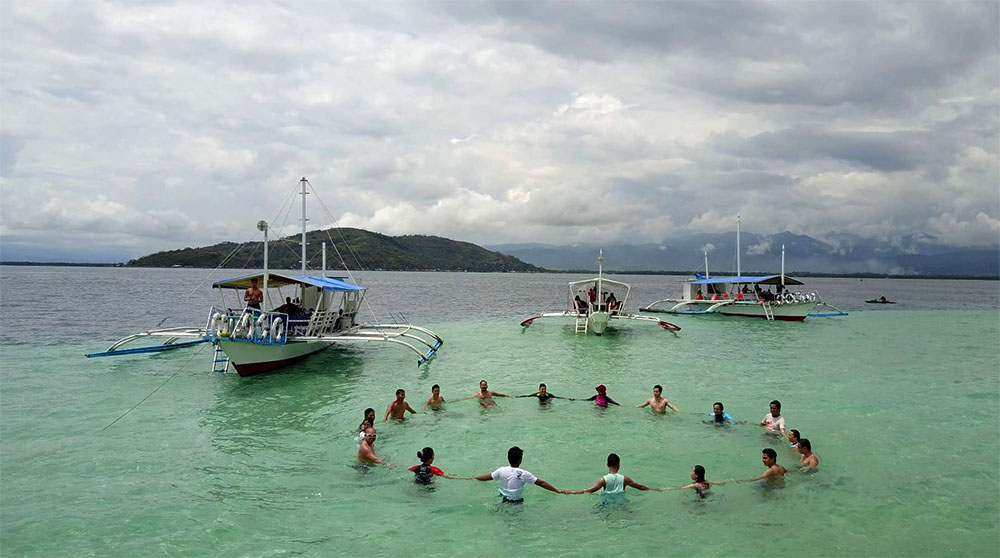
column 838, row 253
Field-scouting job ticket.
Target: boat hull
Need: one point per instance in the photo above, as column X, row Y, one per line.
column 598, row 322
column 789, row 312
column 251, row 359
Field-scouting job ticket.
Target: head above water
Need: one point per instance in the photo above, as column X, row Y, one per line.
column 601, row 388
column 775, row 408
column 804, row 443
column 717, row 407
column 400, row 393
column 698, row 473
column 426, row 455
column 657, row 389
column 542, row 388
column 370, row 414
column 514, row 456
column 435, row 389
column 794, row 436
column 614, row 460
column 483, row 385
column 769, row 456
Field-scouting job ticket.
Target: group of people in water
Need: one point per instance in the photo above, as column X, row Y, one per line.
column 513, row 477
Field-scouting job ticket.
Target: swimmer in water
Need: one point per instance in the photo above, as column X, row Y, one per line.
column 435, row 400
column 513, row 478
column 773, row 421
column 485, row 395
column 543, row 395
column 699, row 484
column 398, row 408
column 602, row 399
column 365, row 425
column 613, row 483
column 426, row 471
column 774, row 473
column 793, row 438
column 366, row 453
column 719, row 415
column 658, row 403
column 809, row 460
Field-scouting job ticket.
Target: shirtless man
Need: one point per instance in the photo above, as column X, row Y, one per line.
column 253, row 296
column 366, row 453
column 774, row 472
column 809, row 459
column 659, row 404
column 397, row 409
column 435, row 400
column 485, row 395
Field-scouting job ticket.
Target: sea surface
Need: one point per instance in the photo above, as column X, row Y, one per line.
column 156, row 455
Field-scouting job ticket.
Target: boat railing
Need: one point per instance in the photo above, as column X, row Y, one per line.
column 249, row 325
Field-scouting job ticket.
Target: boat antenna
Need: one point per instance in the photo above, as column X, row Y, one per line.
column 262, row 227
column 303, row 182
column 707, row 276
column 738, row 273
column 600, row 274
column 324, row 258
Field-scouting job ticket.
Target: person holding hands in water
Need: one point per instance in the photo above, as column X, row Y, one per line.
column 613, row 483
column 425, row 472
column 398, row 408
column 773, row 421
column 543, row 395
column 809, row 460
column 699, row 484
column 435, row 400
column 719, row 415
column 366, row 453
column 658, row 403
column 774, row 474
column 602, row 399
column 513, row 478
column 485, row 395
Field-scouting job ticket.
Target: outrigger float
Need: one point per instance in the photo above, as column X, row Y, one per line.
column 255, row 341
column 593, row 303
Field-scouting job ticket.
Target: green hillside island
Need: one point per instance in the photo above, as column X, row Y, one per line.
column 375, row 251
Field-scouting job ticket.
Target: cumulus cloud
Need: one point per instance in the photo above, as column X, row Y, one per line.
column 155, row 125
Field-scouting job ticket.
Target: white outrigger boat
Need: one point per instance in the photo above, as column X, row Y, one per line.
column 255, row 341
column 744, row 296
column 593, row 303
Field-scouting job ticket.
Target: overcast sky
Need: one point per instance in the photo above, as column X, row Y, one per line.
column 132, row 127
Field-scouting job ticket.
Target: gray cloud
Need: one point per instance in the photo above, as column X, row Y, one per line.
column 157, row 125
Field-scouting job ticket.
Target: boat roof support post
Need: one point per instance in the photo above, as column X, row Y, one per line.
column 262, row 227
column 782, row 265
column 303, row 182
column 738, row 270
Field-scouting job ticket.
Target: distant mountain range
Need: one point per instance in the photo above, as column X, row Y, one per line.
column 841, row 253
column 360, row 248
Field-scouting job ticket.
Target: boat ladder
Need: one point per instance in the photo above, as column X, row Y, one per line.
column 581, row 324
column 768, row 311
column 220, row 362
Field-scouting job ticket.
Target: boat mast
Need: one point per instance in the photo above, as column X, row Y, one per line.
column 707, row 276
column 262, row 227
column 782, row 265
column 738, row 274
column 303, row 182
column 600, row 275
column 324, row 259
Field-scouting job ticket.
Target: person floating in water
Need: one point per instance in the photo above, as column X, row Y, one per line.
column 809, row 459
column 699, row 484
column 773, row 421
column 398, row 408
column 613, row 483
column 544, row 396
column 658, row 403
column 435, row 400
column 602, row 399
column 513, row 478
column 719, row 415
column 485, row 395
column 366, row 453
column 793, row 438
column 774, row 474
column 425, row 472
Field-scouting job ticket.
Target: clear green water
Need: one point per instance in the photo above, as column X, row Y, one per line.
column 902, row 408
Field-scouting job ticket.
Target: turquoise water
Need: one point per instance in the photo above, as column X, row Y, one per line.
column 901, row 405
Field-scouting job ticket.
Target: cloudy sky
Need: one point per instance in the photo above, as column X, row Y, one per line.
column 131, row 127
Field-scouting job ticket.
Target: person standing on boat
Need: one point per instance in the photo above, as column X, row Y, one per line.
column 602, row 399
column 435, row 400
column 485, row 395
column 773, row 421
column 659, row 403
column 253, row 296
column 397, row 409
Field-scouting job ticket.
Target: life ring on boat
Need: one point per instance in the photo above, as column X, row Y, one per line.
column 669, row 326
column 277, row 330
column 243, row 328
column 788, row 298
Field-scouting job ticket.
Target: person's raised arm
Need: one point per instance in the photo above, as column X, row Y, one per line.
column 387, row 411
column 498, row 394
column 671, row 405
column 644, row 404
column 408, row 408
column 597, row 486
column 591, row 398
column 426, row 403
column 474, row 395
column 613, row 401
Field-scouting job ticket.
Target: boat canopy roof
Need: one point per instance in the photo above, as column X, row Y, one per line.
column 602, row 279
column 280, row 280
column 760, row 280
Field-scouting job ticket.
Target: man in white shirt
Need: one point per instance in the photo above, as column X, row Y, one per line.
column 512, row 479
column 773, row 421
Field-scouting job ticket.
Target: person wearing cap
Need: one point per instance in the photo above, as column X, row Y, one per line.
column 602, row 399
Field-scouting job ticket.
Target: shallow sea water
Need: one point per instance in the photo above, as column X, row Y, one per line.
column 901, row 404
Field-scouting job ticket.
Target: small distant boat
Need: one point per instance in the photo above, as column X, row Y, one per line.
column 255, row 341
column 880, row 300
column 593, row 303
column 744, row 296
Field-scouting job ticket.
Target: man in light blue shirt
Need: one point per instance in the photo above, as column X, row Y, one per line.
column 719, row 415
